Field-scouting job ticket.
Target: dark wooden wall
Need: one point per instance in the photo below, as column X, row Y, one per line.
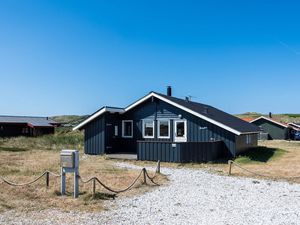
column 94, row 136
column 14, row 130
column 241, row 144
column 183, row 152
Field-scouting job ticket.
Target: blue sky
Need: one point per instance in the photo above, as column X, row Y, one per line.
column 72, row 57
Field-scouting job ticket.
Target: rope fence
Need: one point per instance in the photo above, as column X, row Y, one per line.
column 46, row 174
column 143, row 172
column 231, row 163
column 94, row 180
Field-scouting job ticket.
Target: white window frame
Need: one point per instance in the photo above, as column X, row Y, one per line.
column 123, row 126
column 143, row 130
column 180, row 139
column 158, row 129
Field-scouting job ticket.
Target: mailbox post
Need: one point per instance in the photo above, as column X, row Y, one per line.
column 69, row 163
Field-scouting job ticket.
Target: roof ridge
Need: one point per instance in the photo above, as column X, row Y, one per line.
column 183, row 99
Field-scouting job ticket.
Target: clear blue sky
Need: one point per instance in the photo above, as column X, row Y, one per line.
column 72, row 57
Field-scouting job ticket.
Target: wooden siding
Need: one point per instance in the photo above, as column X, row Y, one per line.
column 183, row 152
column 94, row 137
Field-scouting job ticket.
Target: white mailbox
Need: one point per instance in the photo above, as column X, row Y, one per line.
column 69, row 163
column 69, row 158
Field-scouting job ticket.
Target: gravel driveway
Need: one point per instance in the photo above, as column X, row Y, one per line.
column 193, row 197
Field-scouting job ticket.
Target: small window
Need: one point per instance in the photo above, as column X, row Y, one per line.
column 248, row 139
column 116, row 131
column 25, row 130
column 148, row 129
column 127, row 128
column 180, row 130
column 163, row 128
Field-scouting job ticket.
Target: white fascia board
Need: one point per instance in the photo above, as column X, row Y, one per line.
column 105, row 109
column 139, row 101
column 293, row 124
column 266, row 118
column 185, row 109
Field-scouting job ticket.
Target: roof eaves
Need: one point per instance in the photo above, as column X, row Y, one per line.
column 98, row 113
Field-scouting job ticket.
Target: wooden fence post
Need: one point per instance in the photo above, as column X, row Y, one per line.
column 144, row 172
column 47, row 179
column 94, row 187
column 158, row 167
column 230, row 165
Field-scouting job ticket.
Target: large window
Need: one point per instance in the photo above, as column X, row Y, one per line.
column 180, row 130
column 127, row 128
column 163, row 128
column 148, row 129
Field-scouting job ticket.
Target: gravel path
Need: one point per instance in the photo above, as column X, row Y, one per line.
column 193, row 197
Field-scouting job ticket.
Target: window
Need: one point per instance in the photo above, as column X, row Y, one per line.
column 127, row 128
column 163, row 127
column 180, row 130
column 248, row 139
column 148, row 129
column 25, row 130
column 116, row 131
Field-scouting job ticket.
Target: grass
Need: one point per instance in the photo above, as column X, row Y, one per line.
column 292, row 115
column 260, row 154
column 71, row 119
column 60, row 140
column 21, row 166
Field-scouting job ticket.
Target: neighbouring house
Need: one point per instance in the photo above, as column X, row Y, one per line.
column 296, row 126
column 12, row 126
column 162, row 127
column 271, row 129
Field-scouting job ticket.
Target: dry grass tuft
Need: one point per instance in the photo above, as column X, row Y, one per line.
column 285, row 163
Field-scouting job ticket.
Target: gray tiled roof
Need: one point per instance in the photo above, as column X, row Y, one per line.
column 34, row 121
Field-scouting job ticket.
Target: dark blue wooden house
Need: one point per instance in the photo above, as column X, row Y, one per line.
column 162, row 127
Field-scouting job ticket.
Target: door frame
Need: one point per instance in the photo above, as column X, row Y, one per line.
column 180, row 139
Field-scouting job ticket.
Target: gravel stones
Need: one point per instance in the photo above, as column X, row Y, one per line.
column 194, row 196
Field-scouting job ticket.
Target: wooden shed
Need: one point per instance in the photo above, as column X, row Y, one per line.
column 162, row 127
column 12, row 126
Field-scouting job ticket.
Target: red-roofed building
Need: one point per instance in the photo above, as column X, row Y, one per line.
column 248, row 119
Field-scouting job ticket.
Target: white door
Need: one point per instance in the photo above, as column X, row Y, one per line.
column 180, row 131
